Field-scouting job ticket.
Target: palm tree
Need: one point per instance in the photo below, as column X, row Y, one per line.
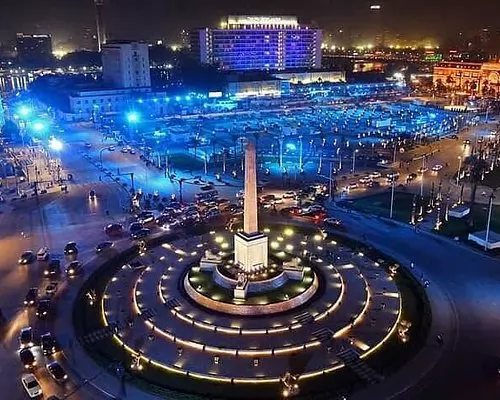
column 194, row 143
column 476, row 166
column 234, row 138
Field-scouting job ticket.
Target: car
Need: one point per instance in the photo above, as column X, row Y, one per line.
column 43, row 254
column 103, row 246
column 52, row 269
column 375, row 175
column 146, row 219
column 332, row 222
column 31, row 297
column 135, row 226
column 466, row 142
column 412, row 176
column 27, row 257
column 56, row 372
column 140, row 234
column 111, row 148
column 51, row 289
column 88, row 145
column 31, row 386
column 92, row 195
column 49, row 344
column 365, row 179
column 44, row 308
column 437, row 167
column 26, row 339
column 289, row 195
column 422, row 170
column 70, row 249
column 114, row 230
column 74, row 268
column 27, row 358
column 352, row 186
column 124, row 150
column 131, row 151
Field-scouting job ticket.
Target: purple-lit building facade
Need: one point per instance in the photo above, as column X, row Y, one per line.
column 258, row 43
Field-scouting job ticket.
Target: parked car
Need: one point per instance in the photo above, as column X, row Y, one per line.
column 27, row 358
column 135, row 226
column 74, row 268
column 43, row 254
column 140, row 234
column 26, row 338
column 31, row 297
column 332, row 222
column 114, row 230
column 52, row 269
column 49, row 344
column 31, row 386
column 289, row 195
column 27, row 257
column 71, row 248
column 57, row 372
column 92, row 195
column 103, row 246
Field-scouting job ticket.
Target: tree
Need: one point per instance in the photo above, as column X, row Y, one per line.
column 10, row 130
column 476, row 166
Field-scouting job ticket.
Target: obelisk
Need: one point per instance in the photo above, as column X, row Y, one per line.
column 250, row 246
column 250, row 222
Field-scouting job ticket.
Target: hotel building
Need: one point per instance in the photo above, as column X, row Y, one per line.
column 258, row 43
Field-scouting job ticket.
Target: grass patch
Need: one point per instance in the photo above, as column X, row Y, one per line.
column 185, row 161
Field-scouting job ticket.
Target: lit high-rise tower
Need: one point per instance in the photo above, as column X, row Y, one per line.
column 101, row 28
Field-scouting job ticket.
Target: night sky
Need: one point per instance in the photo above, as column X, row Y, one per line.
column 153, row 19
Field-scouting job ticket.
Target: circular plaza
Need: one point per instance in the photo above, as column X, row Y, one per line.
column 167, row 315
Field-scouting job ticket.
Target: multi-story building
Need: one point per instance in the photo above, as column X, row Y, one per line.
column 125, row 64
column 469, row 78
column 258, row 43
column 34, row 49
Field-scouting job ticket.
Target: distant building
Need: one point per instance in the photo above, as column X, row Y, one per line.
column 307, row 77
column 258, row 43
column 34, row 49
column 468, row 78
column 125, row 64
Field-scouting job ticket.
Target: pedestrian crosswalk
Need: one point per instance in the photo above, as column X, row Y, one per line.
column 148, row 313
column 351, row 359
column 304, row 318
column 172, row 303
column 323, row 335
column 100, row 334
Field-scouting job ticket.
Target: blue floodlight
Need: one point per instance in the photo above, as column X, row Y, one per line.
column 177, row 98
column 55, row 144
column 133, row 117
column 38, row 126
column 188, row 98
column 291, row 146
column 167, row 99
column 139, row 101
column 24, row 111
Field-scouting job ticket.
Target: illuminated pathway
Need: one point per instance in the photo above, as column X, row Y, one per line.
column 357, row 303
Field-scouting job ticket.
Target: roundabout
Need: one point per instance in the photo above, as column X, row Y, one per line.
column 271, row 311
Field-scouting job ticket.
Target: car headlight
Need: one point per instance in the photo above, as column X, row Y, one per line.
column 71, row 271
column 25, row 302
column 65, row 376
column 45, row 272
column 30, row 344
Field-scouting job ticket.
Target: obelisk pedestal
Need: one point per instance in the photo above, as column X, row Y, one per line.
column 250, row 246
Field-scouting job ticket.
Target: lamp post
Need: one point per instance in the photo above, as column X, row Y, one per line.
column 300, row 154
column 100, row 153
column 459, row 167
column 392, row 197
column 490, row 208
column 354, row 161
column 422, row 178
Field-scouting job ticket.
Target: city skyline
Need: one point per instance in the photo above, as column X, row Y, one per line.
column 156, row 19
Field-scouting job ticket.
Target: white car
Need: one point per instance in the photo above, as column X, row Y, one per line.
column 437, row 167
column 375, row 175
column 365, row 179
column 31, row 386
column 43, row 254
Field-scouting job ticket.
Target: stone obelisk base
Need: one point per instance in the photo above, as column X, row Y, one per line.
column 250, row 251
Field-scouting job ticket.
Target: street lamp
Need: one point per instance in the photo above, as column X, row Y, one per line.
column 490, row 208
column 102, row 150
column 354, row 160
column 459, row 167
